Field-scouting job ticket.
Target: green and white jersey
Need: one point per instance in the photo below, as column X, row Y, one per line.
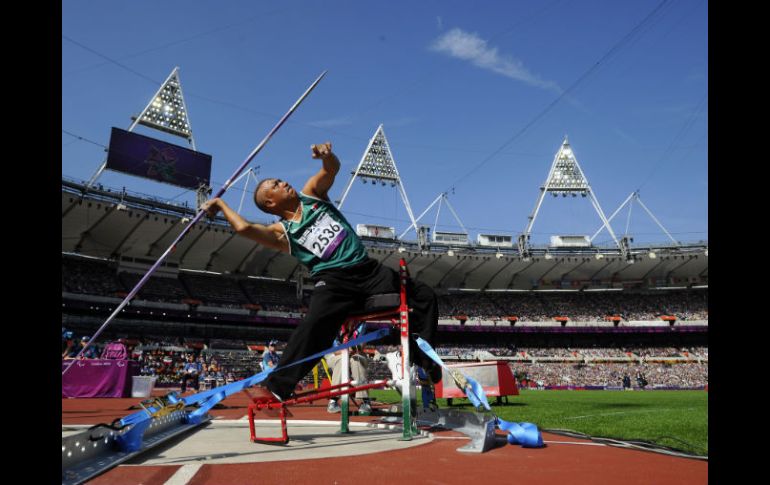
column 322, row 238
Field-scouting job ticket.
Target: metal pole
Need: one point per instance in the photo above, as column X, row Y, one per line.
column 198, row 216
column 420, row 216
column 656, row 220
column 344, row 399
column 628, row 221
column 457, row 218
column 438, row 211
column 245, row 187
column 598, row 208
column 358, row 168
column 613, row 216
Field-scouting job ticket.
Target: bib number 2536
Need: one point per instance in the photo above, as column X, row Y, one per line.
column 324, row 237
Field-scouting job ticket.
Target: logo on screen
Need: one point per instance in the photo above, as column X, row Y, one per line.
column 162, row 163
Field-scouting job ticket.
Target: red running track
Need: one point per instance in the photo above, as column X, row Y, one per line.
column 436, row 462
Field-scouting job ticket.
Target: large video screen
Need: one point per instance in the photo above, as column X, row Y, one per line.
column 147, row 157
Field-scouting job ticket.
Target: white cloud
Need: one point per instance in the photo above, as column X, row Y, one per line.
column 472, row 48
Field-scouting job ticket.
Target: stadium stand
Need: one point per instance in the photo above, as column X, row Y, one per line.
column 549, row 336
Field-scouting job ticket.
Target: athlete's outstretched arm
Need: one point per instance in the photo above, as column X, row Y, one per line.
column 272, row 236
column 319, row 184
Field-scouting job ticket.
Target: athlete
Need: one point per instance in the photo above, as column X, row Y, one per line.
column 312, row 230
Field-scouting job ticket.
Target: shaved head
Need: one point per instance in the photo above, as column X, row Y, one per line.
column 259, row 198
column 276, row 196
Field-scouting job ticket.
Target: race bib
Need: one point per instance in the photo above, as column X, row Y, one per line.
column 323, row 237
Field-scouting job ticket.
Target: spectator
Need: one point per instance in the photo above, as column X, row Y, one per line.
column 67, row 342
column 90, row 353
column 191, row 371
column 641, row 381
column 270, row 358
column 81, row 276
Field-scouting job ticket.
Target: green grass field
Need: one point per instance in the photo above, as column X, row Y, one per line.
column 677, row 419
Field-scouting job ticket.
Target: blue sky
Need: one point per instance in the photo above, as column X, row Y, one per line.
column 453, row 83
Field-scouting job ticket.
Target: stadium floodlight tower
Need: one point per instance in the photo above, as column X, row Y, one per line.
column 377, row 165
column 565, row 178
column 167, row 112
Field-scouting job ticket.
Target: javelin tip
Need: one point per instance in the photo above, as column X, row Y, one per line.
column 321, row 76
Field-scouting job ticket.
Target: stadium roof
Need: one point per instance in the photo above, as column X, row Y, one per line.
column 129, row 228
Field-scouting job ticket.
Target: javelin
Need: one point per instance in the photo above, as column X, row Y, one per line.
column 196, row 219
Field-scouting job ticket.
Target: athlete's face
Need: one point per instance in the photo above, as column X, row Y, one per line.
column 275, row 194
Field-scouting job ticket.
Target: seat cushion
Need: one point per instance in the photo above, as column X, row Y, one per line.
column 379, row 303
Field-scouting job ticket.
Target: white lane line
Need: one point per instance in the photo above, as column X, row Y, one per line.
column 653, row 410
column 184, row 474
column 619, row 412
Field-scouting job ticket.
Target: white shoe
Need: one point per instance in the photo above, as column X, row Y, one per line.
column 333, row 407
column 394, row 364
column 365, row 409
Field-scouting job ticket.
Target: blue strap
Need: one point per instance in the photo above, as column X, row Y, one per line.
column 465, row 383
column 477, row 396
column 524, row 434
column 208, row 399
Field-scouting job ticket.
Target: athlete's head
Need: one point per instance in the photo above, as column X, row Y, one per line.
column 275, row 196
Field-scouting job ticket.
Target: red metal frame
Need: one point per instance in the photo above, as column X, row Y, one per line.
column 398, row 316
column 260, row 404
column 283, row 439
